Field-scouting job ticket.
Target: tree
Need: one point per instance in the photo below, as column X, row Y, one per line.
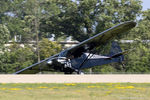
column 73, row 19
column 11, row 16
column 16, row 58
column 4, row 36
column 48, row 48
column 116, row 11
column 35, row 12
column 138, row 60
column 4, row 10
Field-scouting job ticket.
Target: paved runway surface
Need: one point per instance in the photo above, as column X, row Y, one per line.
column 103, row 78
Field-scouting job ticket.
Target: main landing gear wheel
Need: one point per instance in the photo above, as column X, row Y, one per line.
column 80, row 73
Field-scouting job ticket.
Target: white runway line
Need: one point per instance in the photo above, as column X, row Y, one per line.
column 103, row 78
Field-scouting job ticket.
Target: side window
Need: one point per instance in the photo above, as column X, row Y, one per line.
column 63, row 53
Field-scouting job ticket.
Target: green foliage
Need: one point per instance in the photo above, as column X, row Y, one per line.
column 103, row 69
column 138, row 60
column 4, row 35
column 113, row 12
column 48, row 48
column 16, row 58
column 71, row 20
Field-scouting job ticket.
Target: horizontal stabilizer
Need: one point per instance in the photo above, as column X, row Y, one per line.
column 120, row 53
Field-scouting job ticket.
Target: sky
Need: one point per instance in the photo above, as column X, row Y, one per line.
column 146, row 4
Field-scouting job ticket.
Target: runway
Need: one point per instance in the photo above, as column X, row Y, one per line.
column 103, row 78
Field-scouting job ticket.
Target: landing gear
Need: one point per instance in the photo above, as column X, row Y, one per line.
column 68, row 70
column 79, row 72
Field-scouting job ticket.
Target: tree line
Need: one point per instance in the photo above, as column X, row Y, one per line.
column 37, row 20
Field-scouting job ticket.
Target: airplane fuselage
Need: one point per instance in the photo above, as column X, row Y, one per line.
column 86, row 60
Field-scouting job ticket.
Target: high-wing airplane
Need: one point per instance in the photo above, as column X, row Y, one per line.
column 82, row 55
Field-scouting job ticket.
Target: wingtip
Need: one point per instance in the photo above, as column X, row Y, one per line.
column 131, row 23
column 134, row 23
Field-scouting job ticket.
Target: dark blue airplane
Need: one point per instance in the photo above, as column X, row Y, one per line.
column 82, row 55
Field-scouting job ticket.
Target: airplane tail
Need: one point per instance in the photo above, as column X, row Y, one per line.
column 115, row 48
column 116, row 52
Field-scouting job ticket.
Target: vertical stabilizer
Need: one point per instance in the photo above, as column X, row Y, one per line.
column 115, row 48
column 116, row 52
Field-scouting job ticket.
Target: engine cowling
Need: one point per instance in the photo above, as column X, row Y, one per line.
column 60, row 63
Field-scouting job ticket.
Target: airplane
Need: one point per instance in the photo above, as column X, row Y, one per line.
column 83, row 55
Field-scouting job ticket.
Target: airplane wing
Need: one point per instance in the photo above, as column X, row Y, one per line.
column 37, row 67
column 101, row 39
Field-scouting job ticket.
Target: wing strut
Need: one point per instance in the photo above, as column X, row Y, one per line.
column 85, row 60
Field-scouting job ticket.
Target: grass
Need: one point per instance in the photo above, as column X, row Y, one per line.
column 71, row 91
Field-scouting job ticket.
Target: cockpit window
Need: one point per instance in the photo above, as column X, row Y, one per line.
column 63, row 54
